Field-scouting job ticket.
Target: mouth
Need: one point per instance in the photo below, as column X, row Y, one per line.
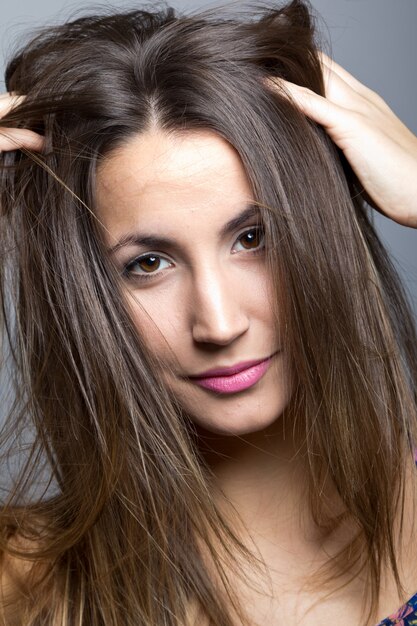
column 233, row 379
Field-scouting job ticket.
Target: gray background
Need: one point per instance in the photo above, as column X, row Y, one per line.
column 373, row 39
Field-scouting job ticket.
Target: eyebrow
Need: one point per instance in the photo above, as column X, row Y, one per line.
column 155, row 241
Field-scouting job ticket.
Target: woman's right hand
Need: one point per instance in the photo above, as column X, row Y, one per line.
column 17, row 138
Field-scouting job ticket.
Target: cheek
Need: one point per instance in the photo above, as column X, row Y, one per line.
column 159, row 322
column 261, row 297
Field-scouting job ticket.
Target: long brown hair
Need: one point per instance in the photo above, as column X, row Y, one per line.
column 110, row 498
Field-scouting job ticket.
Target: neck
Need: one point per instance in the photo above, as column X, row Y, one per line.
column 262, row 482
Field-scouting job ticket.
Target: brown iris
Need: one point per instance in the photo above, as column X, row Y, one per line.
column 251, row 239
column 149, row 264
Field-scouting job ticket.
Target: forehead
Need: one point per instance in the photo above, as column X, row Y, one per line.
column 157, row 172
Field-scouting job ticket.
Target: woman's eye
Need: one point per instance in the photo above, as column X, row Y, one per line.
column 251, row 239
column 146, row 265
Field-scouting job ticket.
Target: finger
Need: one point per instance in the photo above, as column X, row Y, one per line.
column 320, row 109
column 342, row 93
column 330, row 65
column 333, row 66
column 8, row 101
column 336, row 91
column 17, row 138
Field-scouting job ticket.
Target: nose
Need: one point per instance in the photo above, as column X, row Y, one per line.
column 218, row 313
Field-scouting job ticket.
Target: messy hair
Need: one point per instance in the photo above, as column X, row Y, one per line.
column 126, row 529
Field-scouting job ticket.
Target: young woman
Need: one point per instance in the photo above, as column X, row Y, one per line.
column 211, row 364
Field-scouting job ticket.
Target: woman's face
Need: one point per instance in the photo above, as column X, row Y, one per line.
column 181, row 229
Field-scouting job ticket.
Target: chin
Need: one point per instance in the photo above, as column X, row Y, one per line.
column 238, row 417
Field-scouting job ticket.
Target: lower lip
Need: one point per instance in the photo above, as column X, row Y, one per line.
column 235, row 382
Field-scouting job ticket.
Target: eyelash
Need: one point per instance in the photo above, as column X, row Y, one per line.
column 129, row 275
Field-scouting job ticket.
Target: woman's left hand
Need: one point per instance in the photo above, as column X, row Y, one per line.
column 381, row 150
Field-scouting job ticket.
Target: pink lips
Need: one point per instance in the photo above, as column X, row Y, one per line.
column 233, row 379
